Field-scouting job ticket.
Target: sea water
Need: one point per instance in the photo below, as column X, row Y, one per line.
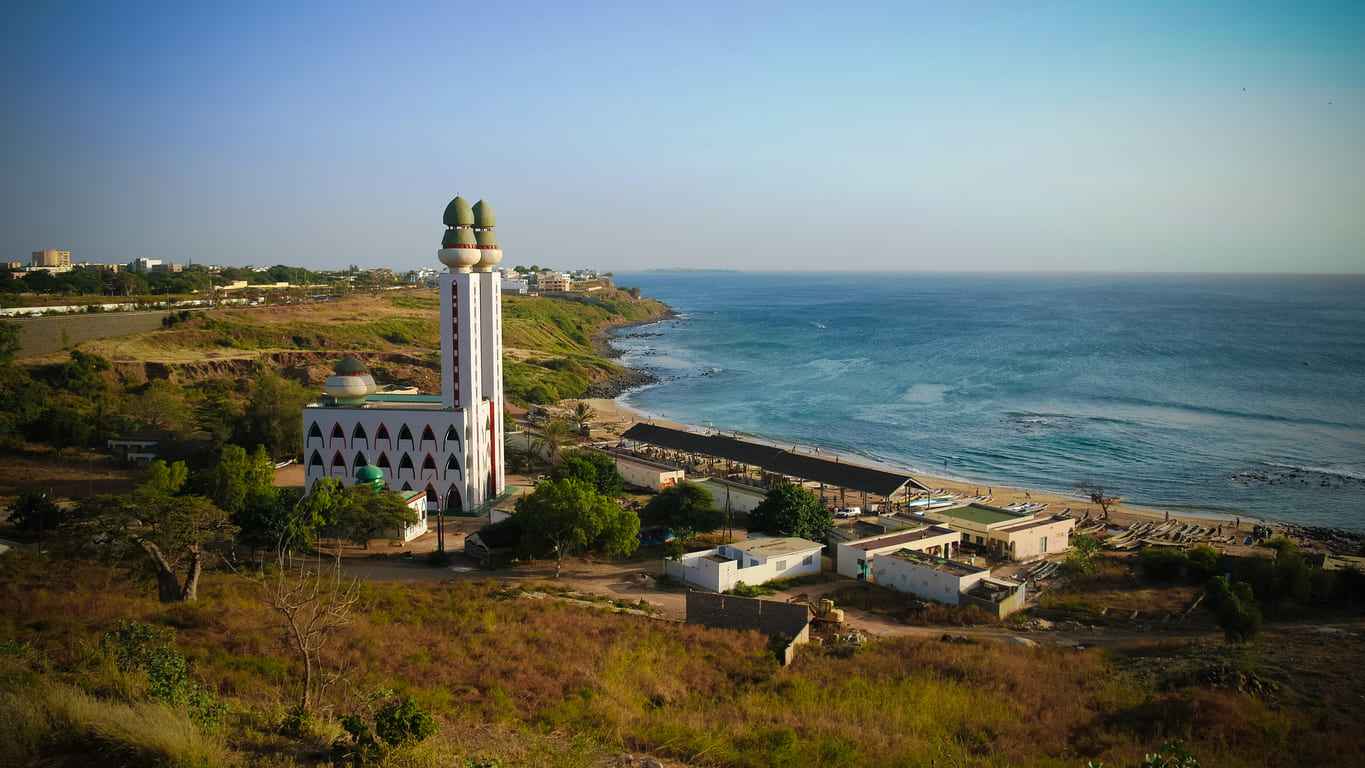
column 1223, row 394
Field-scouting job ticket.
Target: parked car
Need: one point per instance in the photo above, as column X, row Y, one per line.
column 845, row 512
column 656, row 536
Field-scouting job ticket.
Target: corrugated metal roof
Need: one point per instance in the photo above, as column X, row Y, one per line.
column 854, row 477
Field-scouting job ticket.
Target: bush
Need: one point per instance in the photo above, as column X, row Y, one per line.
column 136, row 646
column 1234, row 605
column 1162, row 563
column 402, row 721
column 1203, row 560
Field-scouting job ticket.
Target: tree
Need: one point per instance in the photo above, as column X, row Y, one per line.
column 161, row 406
column 175, row 534
column 9, row 342
column 314, row 602
column 1081, row 557
column 790, row 510
column 687, row 508
column 22, row 402
column 273, row 415
column 362, row 514
column 236, row 477
column 583, row 414
column 566, row 516
column 1097, row 495
column 592, row 467
column 1234, row 605
column 67, row 427
column 555, row 434
column 34, row 511
column 165, row 479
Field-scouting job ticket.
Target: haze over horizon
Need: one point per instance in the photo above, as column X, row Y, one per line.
column 1145, row 137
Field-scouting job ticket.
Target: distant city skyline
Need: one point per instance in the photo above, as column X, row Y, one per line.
column 1090, row 136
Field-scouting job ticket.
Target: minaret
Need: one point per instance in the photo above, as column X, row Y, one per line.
column 461, row 356
column 490, row 327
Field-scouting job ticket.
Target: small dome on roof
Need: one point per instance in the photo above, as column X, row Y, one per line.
column 369, row 473
column 486, row 237
column 483, row 215
column 350, row 366
column 458, row 214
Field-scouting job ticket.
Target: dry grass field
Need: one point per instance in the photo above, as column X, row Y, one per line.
column 538, row 682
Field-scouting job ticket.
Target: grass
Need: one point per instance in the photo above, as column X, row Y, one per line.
column 549, row 342
column 542, row 682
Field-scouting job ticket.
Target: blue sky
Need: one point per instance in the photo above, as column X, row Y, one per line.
column 1025, row 136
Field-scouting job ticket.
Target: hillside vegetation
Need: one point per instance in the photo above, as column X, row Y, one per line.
column 549, row 342
column 540, row 682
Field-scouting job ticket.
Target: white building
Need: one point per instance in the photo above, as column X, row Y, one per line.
column 753, row 561
column 855, row 559
column 732, row 496
column 1011, row 535
column 947, row 581
column 449, row 445
column 517, row 285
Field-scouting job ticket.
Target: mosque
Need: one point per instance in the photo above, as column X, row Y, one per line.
column 450, row 445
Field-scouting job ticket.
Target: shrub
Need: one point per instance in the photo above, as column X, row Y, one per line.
column 402, row 721
column 137, row 646
column 1234, row 605
column 1162, row 563
column 1202, row 560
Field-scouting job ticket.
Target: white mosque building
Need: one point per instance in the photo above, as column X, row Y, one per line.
column 448, row 445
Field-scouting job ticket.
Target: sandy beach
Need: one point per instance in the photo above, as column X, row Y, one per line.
column 614, row 417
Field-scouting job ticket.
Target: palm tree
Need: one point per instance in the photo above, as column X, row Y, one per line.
column 583, row 414
column 556, row 435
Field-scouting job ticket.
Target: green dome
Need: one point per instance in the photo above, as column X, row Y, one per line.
column 368, row 473
column 458, row 238
column 485, row 237
column 458, row 214
column 483, row 215
column 349, row 366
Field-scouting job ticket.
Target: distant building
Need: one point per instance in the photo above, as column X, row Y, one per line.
column 854, row 559
column 104, row 267
column 642, row 473
column 516, row 285
column 144, row 265
column 15, row 265
column 167, row 266
column 552, row 282
column 51, row 257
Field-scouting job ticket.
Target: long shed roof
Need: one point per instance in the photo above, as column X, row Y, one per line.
column 773, row 459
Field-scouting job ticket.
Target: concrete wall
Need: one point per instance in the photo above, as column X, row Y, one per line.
column 741, row 499
column 770, row 617
column 645, row 475
column 922, row 580
column 1000, row 610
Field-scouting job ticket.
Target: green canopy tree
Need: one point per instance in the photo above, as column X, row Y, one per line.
column 790, row 510
column 161, row 406
column 175, row 535
column 686, row 508
column 592, row 467
column 273, row 415
column 362, row 513
column 567, row 516
column 237, row 477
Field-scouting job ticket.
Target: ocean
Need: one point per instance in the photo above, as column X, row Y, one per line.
column 1216, row 394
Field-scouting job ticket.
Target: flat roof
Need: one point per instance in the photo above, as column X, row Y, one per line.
column 1036, row 523
column 776, row 547
column 955, row 567
column 981, row 514
column 389, row 401
column 835, row 472
column 891, row 540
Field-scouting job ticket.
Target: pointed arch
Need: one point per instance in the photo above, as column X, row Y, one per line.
column 452, row 465
column 453, row 504
column 358, row 433
column 383, row 462
column 359, row 460
column 337, row 434
column 405, row 434
column 382, row 434
column 315, row 460
column 314, row 431
column 452, row 436
column 405, row 463
column 427, row 434
column 428, row 463
column 338, row 461
column 407, row 486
